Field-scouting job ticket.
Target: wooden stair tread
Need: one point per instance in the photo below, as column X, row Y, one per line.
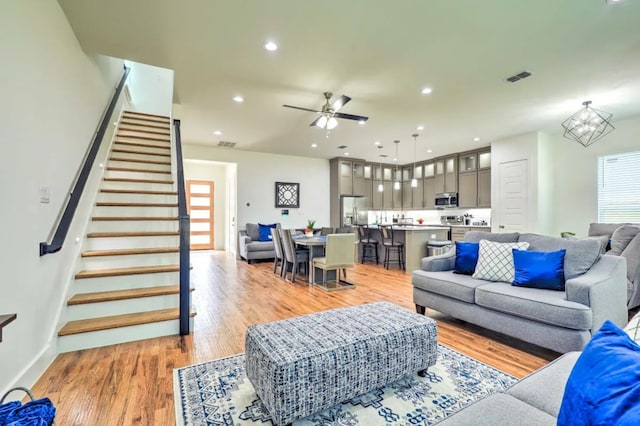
column 108, row 204
column 130, row 151
column 110, row 296
column 138, row 191
column 146, row 119
column 124, row 252
column 165, row 182
column 147, row 138
column 118, row 321
column 135, row 270
column 144, row 145
column 133, row 123
column 132, row 218
column 133, row 234
column 127, row 112
column 148, row 132
column 129, row 169
column 136, row 160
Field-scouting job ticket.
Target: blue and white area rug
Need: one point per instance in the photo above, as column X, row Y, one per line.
column 219, row 393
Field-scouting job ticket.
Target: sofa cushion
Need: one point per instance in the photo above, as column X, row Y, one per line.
column 260, row 246
column 253, row 231
column 604, row 385
column 603, row 228
column 580, row 256
column 547, row 306
column 622, row 237
column 476, row 236
column 632, row 254
column 446, row 283
column 495, row 261
column 499, row 409
column 544, row 387
column 539, row 269
column 466, row 258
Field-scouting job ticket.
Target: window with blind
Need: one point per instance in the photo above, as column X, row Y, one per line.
column 619, row 188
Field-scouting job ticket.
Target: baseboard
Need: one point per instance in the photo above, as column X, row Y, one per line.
column 34, row 370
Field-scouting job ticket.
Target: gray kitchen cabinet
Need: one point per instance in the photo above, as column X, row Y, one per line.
column 407, row 196
column 376, row 197
column 457, row 233
column 418, row 195
column 397, row 197
column 358, row 179
column 468, row 189
column 345, row 170
column 430, row 193
column 368, row 192
column 350, row 176
column 484, row 188
column 451, row 174
column 387, row 195
column 429, row 169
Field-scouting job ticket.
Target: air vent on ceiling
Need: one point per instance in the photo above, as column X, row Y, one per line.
column 520, row 76
column 342, row 147
column 226, row 144
column 383, row 155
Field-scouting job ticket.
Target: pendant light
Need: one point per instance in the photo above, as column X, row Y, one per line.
column 396, row 184
column 414, row 181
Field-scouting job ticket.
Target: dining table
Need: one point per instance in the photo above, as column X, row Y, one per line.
column 315, row 244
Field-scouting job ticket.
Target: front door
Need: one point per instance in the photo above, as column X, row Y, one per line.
column 512, row 196
column 200, row 208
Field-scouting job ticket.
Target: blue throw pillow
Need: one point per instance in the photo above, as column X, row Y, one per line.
column 604, row 385
column 539, row 269
column 265, row 231
column 466, row 258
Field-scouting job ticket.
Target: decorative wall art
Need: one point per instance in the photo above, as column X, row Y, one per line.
column 287, row 194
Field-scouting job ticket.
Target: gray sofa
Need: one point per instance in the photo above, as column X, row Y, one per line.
column 251, row 248
column 534, row 400
column 562, row 321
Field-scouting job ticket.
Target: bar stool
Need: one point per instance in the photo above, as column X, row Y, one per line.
column 391, row 245
column 366, row 242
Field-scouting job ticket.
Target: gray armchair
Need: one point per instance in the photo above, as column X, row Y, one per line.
column 251, row 248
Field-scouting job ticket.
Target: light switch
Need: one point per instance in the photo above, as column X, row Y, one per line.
column 44, row 194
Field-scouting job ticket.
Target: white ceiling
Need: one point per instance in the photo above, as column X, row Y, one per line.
column 380, row 53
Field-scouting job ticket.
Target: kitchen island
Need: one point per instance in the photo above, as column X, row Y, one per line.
column 415, row 238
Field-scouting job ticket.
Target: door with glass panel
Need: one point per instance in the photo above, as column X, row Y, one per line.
column 200, row 207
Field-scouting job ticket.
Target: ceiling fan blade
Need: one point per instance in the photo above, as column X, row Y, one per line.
column 339, row 103
column 300, row 108
column 315, row 122
column 350, row 116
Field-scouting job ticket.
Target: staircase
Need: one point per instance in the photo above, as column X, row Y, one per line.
column 127, row 287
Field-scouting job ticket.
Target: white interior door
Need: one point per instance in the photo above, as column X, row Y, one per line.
column 513, row 196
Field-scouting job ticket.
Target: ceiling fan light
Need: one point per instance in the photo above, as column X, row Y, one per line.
column 331, row 123
column 414, row 183
column 322, row 122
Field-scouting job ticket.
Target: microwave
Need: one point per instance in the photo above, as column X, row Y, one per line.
column 447, row 200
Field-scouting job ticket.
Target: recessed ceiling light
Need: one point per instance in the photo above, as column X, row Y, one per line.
column 429, row 151
column 427, row 91
column 271, row 46
column 217, row 132
column 476, row 139
column 238, row 99
column 361, row 122
column 376, row 143
column 395, row 159
column 346, row 153
column 614, row 1
column 420, row 127
column 314, row 145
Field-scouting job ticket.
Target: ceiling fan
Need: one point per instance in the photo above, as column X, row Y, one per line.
column 329, row 113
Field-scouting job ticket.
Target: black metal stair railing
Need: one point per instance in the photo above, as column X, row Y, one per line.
column 74, row 198
column 184, row 226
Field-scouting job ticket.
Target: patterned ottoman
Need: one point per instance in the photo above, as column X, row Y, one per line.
column 305, row 364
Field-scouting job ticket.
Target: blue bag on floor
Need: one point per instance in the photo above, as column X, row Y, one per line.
column 39, row 412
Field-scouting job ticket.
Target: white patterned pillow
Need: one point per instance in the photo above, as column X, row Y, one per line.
column 633, row 328
column 495, row 261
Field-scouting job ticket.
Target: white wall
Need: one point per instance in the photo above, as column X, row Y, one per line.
column 151, row 88
column 49, row 112
column 256, row 177
column 575, row 193
column 216, row 172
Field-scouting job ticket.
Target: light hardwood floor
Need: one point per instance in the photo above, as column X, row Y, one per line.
column 131, row 383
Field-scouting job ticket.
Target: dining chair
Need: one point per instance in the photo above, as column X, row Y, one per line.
column 345, row 230
column 390, row 245
column 293, row 258
column 324, row 231
column 277, row 245
column 367, row 244
column 339, row 255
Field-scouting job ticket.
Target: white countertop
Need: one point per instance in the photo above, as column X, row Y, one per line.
column 470, row 226
column 420, row 228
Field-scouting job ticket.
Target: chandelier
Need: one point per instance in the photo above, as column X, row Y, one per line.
column 587, row 125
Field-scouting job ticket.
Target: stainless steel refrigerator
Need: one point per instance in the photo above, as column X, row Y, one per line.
column 353, row 211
